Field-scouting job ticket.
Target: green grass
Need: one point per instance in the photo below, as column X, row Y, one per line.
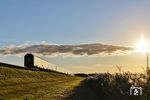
column 20, row 84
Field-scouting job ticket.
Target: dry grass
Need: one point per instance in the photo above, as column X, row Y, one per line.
column 34, row 85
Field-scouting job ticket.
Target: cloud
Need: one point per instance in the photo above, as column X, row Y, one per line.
column 45, row 48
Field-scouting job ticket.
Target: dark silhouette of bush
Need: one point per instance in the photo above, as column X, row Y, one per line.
column 117, row 86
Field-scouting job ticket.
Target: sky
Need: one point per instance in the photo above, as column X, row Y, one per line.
column 26, row 23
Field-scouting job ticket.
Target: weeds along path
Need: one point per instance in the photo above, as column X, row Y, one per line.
column 34, row 85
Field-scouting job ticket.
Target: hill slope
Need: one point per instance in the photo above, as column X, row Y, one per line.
column 34, row 85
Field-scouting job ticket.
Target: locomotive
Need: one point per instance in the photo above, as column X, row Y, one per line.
column 33, row 62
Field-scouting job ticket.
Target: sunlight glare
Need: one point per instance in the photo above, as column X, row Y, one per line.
column 142, row 45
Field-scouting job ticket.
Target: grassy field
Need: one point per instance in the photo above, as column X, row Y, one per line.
column 20, row 84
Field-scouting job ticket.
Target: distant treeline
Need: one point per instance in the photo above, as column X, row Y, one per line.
column 85, row 75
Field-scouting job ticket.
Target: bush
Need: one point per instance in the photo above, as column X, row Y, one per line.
column 117, row 86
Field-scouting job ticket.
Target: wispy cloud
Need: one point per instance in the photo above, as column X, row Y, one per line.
column 45, row 48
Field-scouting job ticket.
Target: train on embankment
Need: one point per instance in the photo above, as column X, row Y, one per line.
column 36, row 63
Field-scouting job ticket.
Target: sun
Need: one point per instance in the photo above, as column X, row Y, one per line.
column 142, row 45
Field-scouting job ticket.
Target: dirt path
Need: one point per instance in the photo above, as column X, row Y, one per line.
column 82, row 92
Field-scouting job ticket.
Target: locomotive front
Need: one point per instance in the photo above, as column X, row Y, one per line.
column 29, row 60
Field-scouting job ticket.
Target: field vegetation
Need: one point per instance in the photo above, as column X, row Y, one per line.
column 21, row 84
column 116, row 86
